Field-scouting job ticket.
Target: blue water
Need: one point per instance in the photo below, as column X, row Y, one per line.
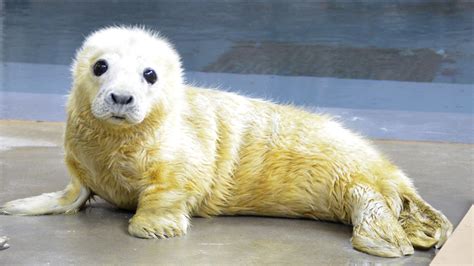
column 48, row 32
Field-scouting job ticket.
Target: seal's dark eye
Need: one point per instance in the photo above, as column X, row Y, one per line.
column 150, row 75
column 100, row 67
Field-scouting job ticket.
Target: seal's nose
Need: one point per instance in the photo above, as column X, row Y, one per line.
column 121, row 99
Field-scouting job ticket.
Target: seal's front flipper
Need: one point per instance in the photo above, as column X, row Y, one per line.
column 69, row 200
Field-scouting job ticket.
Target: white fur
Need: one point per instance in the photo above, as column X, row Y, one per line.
column 47, row 203
column 126, row 63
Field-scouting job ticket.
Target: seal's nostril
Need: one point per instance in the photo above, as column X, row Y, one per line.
column 114, row 98
column 121, row 99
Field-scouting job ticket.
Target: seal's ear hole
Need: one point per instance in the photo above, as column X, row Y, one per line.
column 100, row 67
column 150, row 75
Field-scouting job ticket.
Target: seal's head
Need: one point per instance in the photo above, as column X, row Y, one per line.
column 123, row 73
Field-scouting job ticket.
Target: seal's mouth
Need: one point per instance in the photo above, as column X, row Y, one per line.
column 116, row 117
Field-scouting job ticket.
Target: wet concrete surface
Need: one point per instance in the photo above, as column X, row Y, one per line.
column 31, row 162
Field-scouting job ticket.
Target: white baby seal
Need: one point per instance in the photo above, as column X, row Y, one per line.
column 142, row 139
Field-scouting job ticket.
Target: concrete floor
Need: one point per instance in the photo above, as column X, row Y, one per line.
column 31, row 163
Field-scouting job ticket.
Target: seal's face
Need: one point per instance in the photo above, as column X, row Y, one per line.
column 125, row 87
column 125, row 72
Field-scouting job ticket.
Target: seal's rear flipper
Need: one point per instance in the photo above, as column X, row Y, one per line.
column 424, row 226
column 376, row 230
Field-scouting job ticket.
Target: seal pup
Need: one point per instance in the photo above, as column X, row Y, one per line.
column 139, row 137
